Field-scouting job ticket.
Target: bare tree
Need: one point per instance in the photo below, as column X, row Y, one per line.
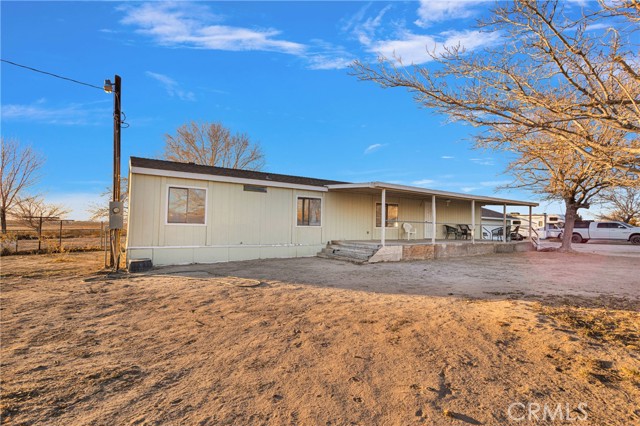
column 549, row 166
column 19, row 167
column 33, row 212
column 100, row 211
column 551, row 70
column 213, row 144
column 623, row 203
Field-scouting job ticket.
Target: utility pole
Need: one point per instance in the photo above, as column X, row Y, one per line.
column 116, row 165
column 115, row 207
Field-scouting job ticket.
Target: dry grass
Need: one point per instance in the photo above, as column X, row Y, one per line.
column 50, row 265
column 54, row 225
column 611, row 326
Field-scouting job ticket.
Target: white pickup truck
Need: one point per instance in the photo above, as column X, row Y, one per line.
column 584, row 231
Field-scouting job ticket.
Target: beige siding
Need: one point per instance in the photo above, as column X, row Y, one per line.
column 348, row 217
column 239, row 224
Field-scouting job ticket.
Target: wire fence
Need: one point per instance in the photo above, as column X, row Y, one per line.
column 56, row 237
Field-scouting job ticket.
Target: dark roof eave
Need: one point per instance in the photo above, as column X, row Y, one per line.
column 174, row 166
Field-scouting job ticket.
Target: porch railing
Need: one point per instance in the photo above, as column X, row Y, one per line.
column 479, row 230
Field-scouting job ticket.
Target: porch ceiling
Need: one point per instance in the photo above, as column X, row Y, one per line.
column 374, row 188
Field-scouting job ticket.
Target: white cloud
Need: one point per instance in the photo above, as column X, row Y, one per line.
column 468, row 189
column 410, row 49
column 447, row 157
column 193, row 25
column 324, row 62
column 423, row 182
column 373, row 148
column 365, row 28
column 75, row 114
column 415, row 48
column 172, row 87
column 594, row 27
column 483, row 161
column 431, row 11
column 325, row 56
column 494, row 183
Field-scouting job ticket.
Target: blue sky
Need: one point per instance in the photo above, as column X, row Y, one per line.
column 277, row 71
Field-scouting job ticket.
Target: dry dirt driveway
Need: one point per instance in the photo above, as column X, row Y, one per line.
column 474, row 341
column 590, row 279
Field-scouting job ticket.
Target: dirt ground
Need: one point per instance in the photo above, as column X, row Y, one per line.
column 530, row 338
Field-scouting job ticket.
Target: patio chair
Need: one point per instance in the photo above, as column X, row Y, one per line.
column 409, row 230
column 499, row 232
column 451, row 230
column 514, row 235
column 465, row 231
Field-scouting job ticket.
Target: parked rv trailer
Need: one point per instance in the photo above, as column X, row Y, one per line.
column 545, row 225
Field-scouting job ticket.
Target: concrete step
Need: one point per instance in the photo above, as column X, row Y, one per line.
column 351, row 252
column 348, row 252
column 342, row 258
column 370, row 246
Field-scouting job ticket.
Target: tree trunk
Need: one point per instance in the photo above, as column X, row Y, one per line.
column 569, row 221
column 3, row 220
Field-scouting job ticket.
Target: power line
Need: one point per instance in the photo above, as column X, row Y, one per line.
column 52, row 74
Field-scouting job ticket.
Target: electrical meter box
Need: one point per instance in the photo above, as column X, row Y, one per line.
column 116, row 215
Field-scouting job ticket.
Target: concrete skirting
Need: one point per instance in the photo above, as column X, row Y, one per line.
column 444, row 250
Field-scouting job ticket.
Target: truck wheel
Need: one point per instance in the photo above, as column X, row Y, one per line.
column 576, row 238
column 635, row 239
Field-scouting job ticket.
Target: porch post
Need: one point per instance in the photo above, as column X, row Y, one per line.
column 504, row 223
column 473, row 221
column 433, row 218
column 383, row 217
column 530, row 224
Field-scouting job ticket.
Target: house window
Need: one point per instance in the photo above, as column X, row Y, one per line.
column 392, row 215
column 255, row 188
column 186, row 205
column 309, row 211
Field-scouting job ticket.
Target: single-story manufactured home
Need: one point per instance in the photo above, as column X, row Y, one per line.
column 188, row 213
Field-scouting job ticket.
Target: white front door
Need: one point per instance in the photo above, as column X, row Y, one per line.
column 428, row 220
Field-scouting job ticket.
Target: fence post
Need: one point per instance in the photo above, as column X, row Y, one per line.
column 40, row 236
column 60, row 236
column 104, row 233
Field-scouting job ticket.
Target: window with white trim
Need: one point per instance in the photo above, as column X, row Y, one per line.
column 392, row 215
column 186, row 205
column 309, row 211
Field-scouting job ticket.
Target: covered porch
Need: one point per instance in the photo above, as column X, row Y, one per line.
column 430, row 216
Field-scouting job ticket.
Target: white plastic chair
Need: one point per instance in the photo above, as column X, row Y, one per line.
column 409, row 230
